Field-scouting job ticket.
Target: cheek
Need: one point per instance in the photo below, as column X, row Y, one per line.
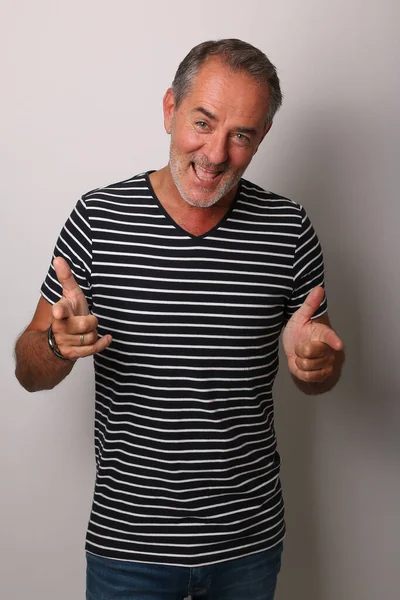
column 186, row 140
column 240, row 157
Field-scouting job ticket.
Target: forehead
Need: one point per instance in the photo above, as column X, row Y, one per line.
column 218, row 88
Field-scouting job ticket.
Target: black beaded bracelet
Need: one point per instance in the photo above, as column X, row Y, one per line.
column 53, row 344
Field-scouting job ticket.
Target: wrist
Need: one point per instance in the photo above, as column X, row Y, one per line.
column 52, row 343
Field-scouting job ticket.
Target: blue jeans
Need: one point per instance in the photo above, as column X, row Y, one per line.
column 253, row 577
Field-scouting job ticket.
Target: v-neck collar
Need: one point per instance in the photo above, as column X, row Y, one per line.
column 179, row 227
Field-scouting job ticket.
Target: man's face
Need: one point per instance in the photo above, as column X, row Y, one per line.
column 215, row 132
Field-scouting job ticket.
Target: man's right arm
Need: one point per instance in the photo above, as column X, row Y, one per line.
column 74, row 330
column 37, row 368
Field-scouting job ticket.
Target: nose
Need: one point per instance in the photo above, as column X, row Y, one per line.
column 216, row 149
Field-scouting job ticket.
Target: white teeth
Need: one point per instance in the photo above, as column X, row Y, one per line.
column 205, row 175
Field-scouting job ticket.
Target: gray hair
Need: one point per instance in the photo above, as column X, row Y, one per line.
column 239, row 56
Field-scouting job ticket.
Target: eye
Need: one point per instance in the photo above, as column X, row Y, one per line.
column 241, row 139
column 201, row 124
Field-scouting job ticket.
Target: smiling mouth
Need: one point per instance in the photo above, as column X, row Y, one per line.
column 206, row 174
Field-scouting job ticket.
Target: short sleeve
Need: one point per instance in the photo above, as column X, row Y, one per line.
column 75, row 245
column 308, row 268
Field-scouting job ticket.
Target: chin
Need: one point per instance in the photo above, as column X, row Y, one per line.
column 200, row 202
column 207, row 197
column 193, row 192
column 197, row 197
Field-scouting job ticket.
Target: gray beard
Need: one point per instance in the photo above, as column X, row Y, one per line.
column 227, row 186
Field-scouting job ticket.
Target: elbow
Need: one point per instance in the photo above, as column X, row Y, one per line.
column 25, row 382
column 29, row 382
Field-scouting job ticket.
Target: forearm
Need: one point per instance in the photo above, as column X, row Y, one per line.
column 312, row 388
column 37, row 368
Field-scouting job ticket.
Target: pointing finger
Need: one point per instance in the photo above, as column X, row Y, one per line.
column 329, row 336
column 321, row 337
column 62, row 309
column 65, row 276
column 70, row 289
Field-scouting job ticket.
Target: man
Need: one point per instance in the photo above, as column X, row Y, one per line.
column 179, row 282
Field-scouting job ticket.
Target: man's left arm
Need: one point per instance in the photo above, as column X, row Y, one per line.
column 313, row 349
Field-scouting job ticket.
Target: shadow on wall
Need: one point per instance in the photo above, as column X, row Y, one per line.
column 315, row 173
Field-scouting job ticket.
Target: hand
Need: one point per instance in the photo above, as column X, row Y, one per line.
column 74, row 329
column 311, row 347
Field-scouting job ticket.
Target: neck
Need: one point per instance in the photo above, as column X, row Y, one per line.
column 194, row 219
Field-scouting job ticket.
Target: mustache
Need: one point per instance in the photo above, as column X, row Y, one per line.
column 205, row 164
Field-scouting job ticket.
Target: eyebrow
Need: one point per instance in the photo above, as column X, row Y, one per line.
column 205, row 112
column 212, row 117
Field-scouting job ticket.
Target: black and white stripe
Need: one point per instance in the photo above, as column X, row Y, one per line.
column 187, row 467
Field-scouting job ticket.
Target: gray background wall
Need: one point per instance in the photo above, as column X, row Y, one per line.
column 82, row 83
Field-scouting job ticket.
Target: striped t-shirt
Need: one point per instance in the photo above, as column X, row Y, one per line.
column 187, row 471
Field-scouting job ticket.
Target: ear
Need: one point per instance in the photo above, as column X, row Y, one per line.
column 168, row 107
column 267, row 128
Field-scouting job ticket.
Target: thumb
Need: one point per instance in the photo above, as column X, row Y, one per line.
column 309, row 306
